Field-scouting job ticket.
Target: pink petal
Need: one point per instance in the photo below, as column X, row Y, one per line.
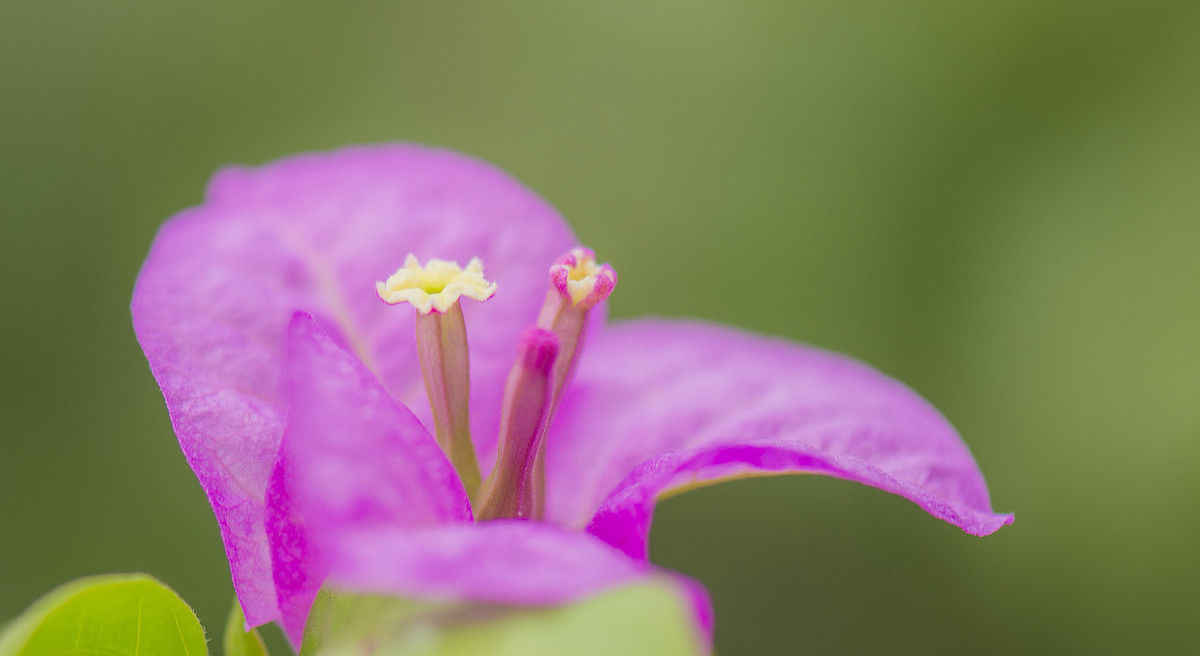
column 314, row 233
column 353, row 458
column 298, row 569
column 503, row 561
column 658, row 405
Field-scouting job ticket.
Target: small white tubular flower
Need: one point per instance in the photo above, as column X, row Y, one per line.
column 578, row 277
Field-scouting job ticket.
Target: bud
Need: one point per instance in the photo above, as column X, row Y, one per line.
column 511, row 490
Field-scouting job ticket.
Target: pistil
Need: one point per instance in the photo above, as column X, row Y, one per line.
column 434, row 291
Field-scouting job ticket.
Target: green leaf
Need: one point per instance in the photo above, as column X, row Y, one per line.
column 646, row 619
column 238, row 641
column 112, row 615
column 337, row 618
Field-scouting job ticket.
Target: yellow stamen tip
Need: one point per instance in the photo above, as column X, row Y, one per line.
column 435, row 287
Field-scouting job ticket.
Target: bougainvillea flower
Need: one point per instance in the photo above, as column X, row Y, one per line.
column 507, row 445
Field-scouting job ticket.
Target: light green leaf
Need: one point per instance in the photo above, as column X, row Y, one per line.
column 238, row 641
column 646, row 619
column 337, row 618
column 112, row 615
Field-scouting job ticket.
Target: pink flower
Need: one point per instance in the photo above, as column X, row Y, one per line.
column 312, row 411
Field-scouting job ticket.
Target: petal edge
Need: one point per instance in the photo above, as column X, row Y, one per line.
column 663, row 404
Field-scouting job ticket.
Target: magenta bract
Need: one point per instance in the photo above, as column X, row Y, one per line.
column 299, row 401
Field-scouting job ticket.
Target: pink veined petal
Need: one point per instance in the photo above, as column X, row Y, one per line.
column 314, row 233
column 503, row 561
column 297, row 568
column 353, row 458
column 659, row 405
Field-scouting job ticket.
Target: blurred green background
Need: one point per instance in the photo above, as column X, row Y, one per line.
column 998, row 203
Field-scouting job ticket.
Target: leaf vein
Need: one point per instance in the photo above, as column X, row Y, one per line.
column 137, row 647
